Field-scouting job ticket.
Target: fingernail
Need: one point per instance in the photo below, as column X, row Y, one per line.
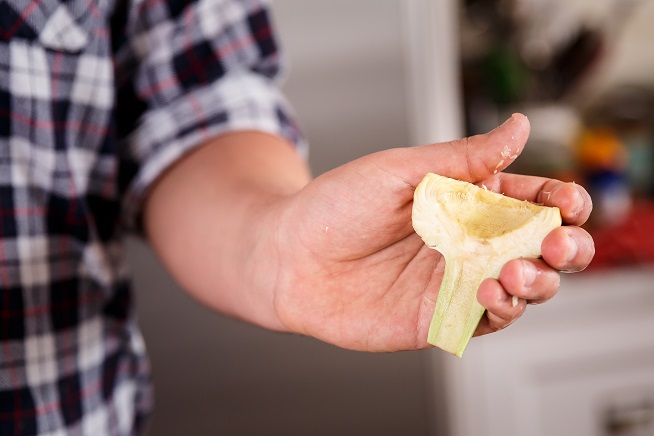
column 511, row 118
column 579, row 204
column 572, row 250
column 503, row 124
column 530, row 272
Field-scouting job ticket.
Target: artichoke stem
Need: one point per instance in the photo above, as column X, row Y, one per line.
column 457, row 311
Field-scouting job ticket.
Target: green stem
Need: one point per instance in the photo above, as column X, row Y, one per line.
column 457, row 311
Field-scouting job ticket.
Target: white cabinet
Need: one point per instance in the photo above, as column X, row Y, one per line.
column 580, row 365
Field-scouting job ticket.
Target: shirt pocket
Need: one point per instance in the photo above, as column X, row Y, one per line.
column 57, row 82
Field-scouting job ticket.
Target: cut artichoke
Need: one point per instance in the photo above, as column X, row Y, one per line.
column 477, row 231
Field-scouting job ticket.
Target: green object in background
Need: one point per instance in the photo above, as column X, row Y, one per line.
column 505, row 75
column 641, row 163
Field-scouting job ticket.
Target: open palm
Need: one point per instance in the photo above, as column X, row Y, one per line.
column 356, row 274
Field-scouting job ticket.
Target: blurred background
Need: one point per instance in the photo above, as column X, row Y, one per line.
column 368, row 75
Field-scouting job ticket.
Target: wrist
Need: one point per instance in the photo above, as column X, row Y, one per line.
column 213, row 218
column 264, row 263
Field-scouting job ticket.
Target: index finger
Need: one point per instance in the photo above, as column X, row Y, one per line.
column 572, row 199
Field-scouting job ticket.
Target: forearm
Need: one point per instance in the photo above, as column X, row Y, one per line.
column 211, row 220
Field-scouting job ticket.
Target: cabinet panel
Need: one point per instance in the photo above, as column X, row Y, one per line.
column 583, row 364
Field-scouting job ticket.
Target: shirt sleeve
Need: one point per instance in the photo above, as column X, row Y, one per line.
column 187, row 71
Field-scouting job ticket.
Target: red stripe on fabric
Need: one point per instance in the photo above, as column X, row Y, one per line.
column 85, row 299
column 235, row 46
column 56, row 69
column 68, row 339
column 101, row 33
column 21, row 19
column 39, row 211
column 93, row 8
column 150, row 4
column 159, row 87
column 6, row 349
column 73, row 397
column 196, row 107
column 199, row 65
column 24, row 211
column 194, row 64
column 77, row 126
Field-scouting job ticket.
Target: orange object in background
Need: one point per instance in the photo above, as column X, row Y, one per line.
column 603, row 160
column 601, row 148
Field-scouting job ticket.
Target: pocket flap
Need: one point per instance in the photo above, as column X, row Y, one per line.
column 61, row 32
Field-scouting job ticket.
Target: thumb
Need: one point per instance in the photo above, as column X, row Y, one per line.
column 474, row 158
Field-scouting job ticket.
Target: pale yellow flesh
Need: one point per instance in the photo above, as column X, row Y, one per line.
column 457, row 311
column 477, row 231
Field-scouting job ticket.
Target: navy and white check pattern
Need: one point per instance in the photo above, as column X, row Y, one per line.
column 97, row 99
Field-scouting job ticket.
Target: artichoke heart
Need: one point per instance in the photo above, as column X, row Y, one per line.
column 477, row 231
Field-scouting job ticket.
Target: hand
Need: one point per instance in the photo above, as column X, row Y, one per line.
column 352, row 271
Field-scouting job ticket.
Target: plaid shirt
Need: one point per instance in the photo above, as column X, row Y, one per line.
column 97, row 98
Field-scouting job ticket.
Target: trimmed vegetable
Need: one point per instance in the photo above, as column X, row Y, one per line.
column 477, row 231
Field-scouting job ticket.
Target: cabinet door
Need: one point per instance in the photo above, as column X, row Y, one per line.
column 581, row 365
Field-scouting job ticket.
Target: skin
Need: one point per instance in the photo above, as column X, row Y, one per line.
column 240, row 225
